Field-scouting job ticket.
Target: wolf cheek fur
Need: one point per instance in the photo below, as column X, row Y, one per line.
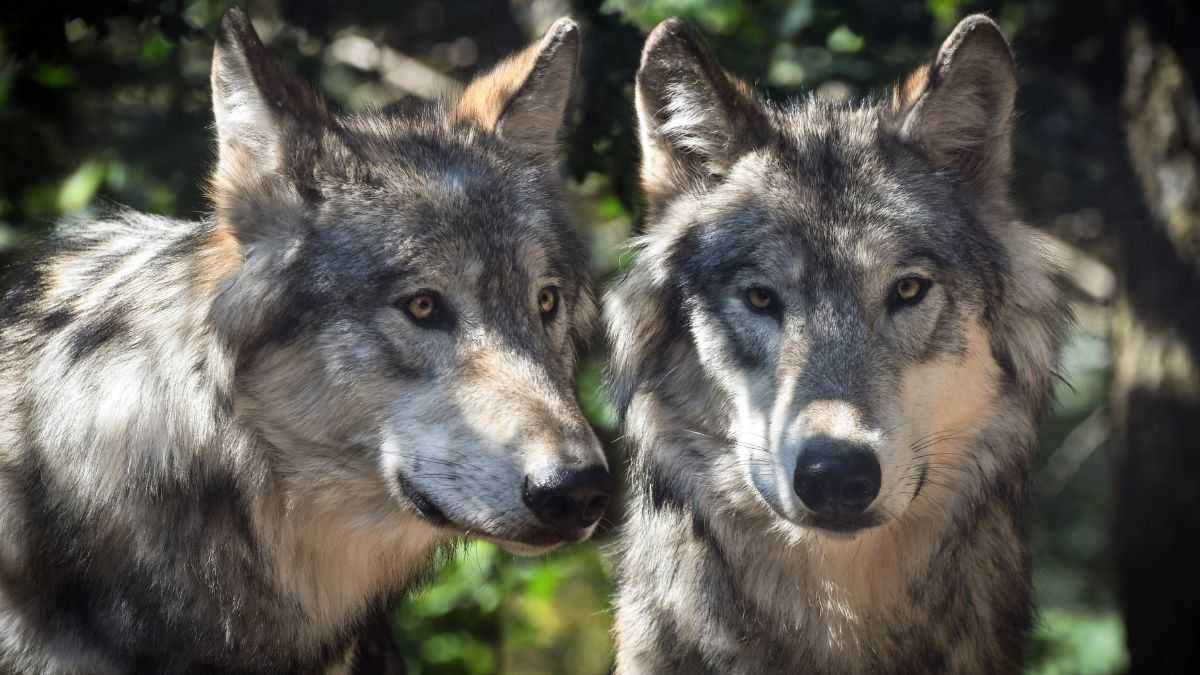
column 830, row 357
column 224, row 445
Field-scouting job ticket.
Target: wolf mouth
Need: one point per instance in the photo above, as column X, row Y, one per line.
column 844, row 525
column 424, row 505
column 431, row 512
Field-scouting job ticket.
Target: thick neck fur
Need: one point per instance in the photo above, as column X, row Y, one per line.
column 941, row 589
column 177, row 525
column 945, row 587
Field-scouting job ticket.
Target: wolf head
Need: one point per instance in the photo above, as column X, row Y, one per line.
column 848, row 280
column 405, row 294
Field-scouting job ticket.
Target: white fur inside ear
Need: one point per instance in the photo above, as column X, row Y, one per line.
column 694, row 118
column 692, row 123
column 247, row 129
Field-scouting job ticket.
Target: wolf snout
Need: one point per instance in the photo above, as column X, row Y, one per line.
column 568, row 501
column 835, row 477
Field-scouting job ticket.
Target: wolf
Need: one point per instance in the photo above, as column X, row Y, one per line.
column 830, row 357
column 226, row 445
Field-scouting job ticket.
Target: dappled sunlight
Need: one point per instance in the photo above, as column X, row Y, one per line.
column 112, row 107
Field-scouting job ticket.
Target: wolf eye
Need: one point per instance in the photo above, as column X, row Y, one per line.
column 910, row 290
column 761, row 299
column 421, row 307
column 428, row 309
column 548, row 302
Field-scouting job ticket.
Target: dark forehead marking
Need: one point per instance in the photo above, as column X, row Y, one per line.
column 722, row 248
column 838, row 189
column 857, row 187
column 464, row 198
column 829, row 144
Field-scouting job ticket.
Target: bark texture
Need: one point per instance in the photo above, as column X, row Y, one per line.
column 1156, row 352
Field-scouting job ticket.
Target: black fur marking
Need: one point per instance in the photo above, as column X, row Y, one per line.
column 184, row 247
column 24, row 287
column 376, row 650
column 921, row 477
column 662, row 489
column 651, row 369
column 1008, row 368
column 56, row 320
column 92, row 336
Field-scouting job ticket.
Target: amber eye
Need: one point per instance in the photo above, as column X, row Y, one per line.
column 910, row 290
column 422, row 307
column 760, row 299
column 548, row 301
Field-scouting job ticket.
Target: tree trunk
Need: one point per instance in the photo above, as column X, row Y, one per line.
column 1156, row 366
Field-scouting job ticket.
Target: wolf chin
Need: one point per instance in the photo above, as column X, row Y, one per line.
column 830, row 357
column 225, row 445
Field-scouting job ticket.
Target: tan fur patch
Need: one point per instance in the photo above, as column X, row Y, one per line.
column 220, row 257
column 869, row 572
column 237, row 169
column 964, row 121
column 950, row 399
column 905, row 95
column 524, row 98
column 506, row 398
column 487, row 96
column 332, row 559
column 222, row 254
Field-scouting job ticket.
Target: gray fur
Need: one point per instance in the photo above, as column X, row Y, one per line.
column 225, row 446
column 721, row 568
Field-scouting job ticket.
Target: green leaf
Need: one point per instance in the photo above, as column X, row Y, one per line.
column 545, row 582
column 844, row 40
column 593, row 400
column 80, row 188
column 1078, row 643
column 155, row 50
column 54, row 77
column 10, row 238
column 610, row 208
column 797, row 17
column 945, row 12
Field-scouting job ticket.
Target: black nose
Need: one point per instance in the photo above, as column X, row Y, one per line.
column 837, row 477
column 569, row 500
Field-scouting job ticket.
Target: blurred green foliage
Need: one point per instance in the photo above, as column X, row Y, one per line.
column 108, row 103
column 491, row 613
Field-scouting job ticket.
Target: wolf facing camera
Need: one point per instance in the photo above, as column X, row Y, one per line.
column 830, row 357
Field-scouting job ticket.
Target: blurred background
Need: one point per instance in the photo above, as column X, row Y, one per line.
column 105, row 102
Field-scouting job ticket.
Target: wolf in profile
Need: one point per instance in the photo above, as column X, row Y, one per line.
column 830, row 357
column 226, row 444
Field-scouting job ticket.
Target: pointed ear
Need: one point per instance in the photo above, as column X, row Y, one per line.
column 265, row 118
column 524, row 98
column 959, row 109
column 694, row 118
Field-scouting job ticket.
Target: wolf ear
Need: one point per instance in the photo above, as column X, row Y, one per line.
column 263, row 114
column 959, row 109
column 524, row 98
column 694, row 118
